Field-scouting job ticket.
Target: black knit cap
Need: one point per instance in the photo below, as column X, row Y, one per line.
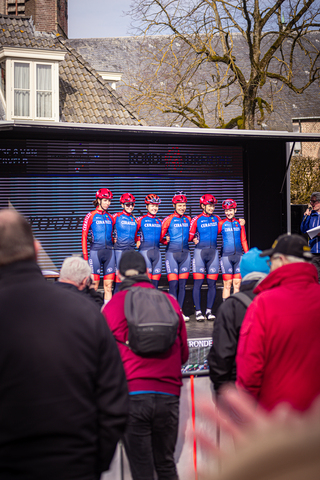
column 294, row 245
column 132, row 260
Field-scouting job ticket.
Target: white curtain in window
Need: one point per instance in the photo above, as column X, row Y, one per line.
column 44, row 91
column 21, row 89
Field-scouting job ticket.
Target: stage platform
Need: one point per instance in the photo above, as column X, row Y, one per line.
column 199, row 329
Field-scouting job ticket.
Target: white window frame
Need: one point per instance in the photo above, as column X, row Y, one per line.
column 33, row 57
column 111, row 77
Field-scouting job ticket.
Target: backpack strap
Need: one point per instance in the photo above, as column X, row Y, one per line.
column 243, row 298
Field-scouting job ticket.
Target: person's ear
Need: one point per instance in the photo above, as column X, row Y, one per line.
column 83, row 283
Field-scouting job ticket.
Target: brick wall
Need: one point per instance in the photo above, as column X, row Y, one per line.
column 62, row 17
column 3, row 9
column 48, row 15
column 311, row 125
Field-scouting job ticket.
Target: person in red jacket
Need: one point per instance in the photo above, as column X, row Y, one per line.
column 154, row 382
column 278, row 356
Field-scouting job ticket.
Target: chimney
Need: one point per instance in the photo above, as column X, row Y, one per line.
column 48, row 15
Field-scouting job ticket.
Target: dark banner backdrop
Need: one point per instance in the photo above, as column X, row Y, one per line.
column 53, row 183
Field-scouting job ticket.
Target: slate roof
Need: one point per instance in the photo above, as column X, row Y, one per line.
column 124, row 54
column 84, row 96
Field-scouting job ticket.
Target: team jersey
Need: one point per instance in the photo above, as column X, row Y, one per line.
column 100, row 225
column 148, row 231
column 233, row 236
column 178, row 228
column 205, row 228
column 125, row 226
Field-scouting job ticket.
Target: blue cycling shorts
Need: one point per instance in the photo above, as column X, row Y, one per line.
column 153, row 260
column 230, row 265
column 118, row 255
column 178, row 262
column 103, row 257
column 205, row 260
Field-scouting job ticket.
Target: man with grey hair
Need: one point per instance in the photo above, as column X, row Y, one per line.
column 64, row 399
column 311, row 219
column 278, row 356
column 75, row 274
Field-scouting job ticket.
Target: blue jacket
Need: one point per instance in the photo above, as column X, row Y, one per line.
column 178, row 228
column 233, row 237
column 205, row 227
column 100, row 224
column 312, row 221
column 125, row 226
column 148, row 231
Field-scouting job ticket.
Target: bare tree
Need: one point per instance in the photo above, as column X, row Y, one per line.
column 304, row 177
column 213, row 56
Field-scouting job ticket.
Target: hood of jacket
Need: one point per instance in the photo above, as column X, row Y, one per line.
column 293, row 273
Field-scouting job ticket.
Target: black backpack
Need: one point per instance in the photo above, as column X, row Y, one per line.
column 152, row 321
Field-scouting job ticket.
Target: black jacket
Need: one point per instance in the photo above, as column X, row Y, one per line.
column 222, row 355
column 89, row 293
column 63, row 391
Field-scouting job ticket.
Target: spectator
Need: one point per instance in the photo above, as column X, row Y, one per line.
column 63, row 391
column 75, row 275
column 222, row 355
column 154, row 383
column 278, row 358
column 311, row 219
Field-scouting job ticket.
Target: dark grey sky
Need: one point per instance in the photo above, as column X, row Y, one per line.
column 98, row 18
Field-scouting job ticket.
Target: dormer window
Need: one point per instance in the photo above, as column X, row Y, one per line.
column 31, row 78
column 111, row 77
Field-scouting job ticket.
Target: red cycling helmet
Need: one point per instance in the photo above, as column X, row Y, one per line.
column 229, row 203
column 127, row 197
column 208, row 198
column 152, row 199
column 179, row 197
column 104, row 193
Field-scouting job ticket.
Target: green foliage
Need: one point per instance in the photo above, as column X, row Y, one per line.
column 305, row 178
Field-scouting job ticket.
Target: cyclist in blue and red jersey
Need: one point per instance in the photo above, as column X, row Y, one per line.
column 234, row 243
column 175, row 234
column 148, row 237
column 204, row 232
column 124, row 230
column 100, row 225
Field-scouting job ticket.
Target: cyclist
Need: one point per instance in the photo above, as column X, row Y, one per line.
column 148, row 236
column 100, row 225
column 124, row 229
column 234, row 243
column 175, row 234
column 203, row 233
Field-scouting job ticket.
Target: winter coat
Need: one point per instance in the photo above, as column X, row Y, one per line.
column 64, row 398
column 278, row 358
column 160, row 373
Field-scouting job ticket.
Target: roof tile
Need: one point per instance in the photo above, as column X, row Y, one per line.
column 77, row 76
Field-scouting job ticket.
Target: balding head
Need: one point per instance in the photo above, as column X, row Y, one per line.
column 16, row 238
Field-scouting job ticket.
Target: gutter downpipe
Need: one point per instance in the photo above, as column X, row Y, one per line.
column 288, row 192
